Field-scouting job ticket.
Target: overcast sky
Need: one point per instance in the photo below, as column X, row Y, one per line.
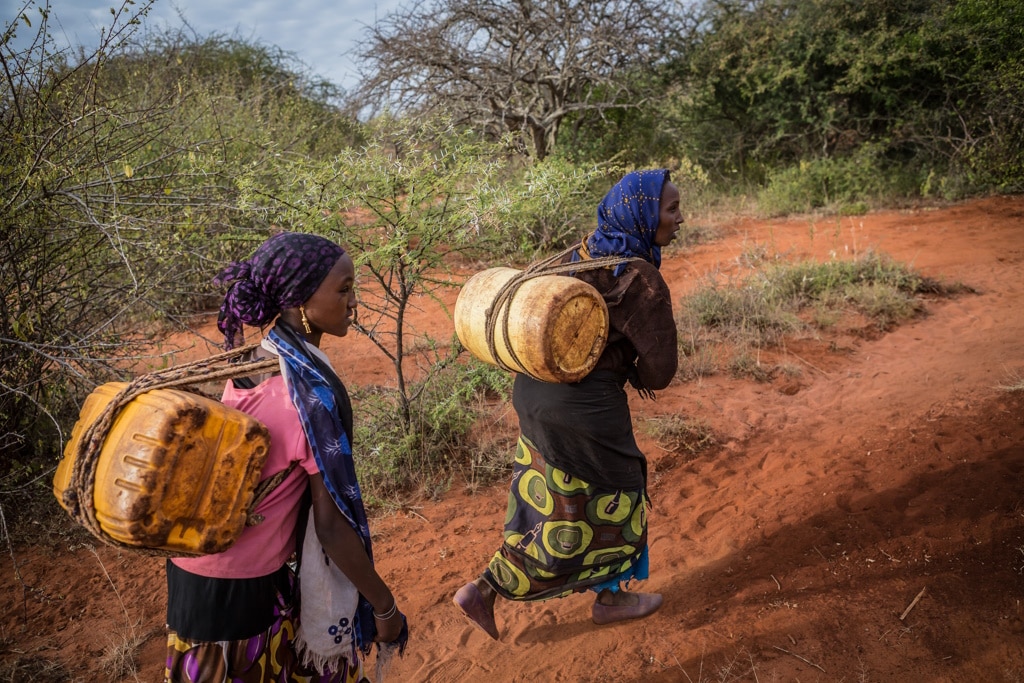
column 321, row 33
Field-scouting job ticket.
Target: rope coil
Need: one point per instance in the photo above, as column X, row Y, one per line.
column 79, row 497
column 503, row 299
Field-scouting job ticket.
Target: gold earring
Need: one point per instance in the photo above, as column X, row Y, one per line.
column 305, row 320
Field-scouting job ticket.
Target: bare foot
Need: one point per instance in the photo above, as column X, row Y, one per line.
column 476, row 600
column 622, row 605
column 620, row 598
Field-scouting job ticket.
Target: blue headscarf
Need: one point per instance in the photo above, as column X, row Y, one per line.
column 627, row 219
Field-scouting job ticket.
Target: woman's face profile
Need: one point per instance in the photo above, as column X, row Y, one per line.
column 670, row 215
column 332, row 307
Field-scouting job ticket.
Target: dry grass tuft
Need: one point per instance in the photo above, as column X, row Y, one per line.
column 1013, row 383
column 680, row 434
column 121, row 659
column 25, row 668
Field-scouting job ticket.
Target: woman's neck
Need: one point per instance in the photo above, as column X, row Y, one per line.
column 291, row 318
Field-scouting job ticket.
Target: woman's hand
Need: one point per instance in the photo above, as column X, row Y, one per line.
column 346, row 549
column 390, row 628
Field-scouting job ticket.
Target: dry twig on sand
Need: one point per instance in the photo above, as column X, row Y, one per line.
column 805, row 661
column 912, row 603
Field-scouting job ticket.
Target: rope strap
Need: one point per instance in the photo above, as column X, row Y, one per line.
column 263, row 489
column 79, row 497
column 503, row 299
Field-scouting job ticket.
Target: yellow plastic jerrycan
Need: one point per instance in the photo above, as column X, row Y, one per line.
column 176, row 472
column 556, row 325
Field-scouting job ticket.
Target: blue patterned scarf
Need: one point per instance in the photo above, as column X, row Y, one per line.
column 325, row 412
column 627, row 219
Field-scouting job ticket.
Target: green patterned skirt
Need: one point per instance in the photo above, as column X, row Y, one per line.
column 564, row 535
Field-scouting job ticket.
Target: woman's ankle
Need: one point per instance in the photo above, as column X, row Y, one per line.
column 487, row 591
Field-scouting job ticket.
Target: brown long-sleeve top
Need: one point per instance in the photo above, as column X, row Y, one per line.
column 642, row 330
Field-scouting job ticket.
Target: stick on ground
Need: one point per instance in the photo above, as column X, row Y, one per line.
column 911, row 605
column 805, row 661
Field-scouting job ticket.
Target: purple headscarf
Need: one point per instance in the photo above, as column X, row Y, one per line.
column 282, row 273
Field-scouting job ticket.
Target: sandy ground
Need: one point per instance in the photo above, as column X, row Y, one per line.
column 861, row 517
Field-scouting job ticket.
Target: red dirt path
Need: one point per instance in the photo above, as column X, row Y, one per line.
column 890, row 465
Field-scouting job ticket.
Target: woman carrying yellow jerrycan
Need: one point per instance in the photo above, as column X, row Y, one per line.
column 577, row 507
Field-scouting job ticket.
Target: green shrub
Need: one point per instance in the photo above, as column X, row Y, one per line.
column 844, row 184
column 739, row 313
column 746, row 365
column 393, row 461
column 885, row 304
column 679, row 434
column 761, row 309
column 809, row 281
column 837, row 104
column 549, row 204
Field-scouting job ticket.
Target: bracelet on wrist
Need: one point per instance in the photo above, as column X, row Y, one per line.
column 389, row 613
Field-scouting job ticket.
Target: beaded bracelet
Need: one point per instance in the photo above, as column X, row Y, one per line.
column 388, row 614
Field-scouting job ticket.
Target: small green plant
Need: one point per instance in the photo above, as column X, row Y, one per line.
column 489, row 460
column 753, row 254
column 701, row 362
column 825, row 313
column 884, row 304
column 746, row 365
column 741, row 313
column 808, row 281
column 791, row 370
column 393, row 460
column 698, row 353
column 758, row 311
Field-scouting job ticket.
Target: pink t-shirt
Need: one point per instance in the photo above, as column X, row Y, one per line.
column 263, row 548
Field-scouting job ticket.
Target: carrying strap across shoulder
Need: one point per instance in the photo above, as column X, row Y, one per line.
column 79, row 496
column 499, row 308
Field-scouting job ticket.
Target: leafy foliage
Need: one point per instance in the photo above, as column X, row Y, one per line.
column 549, row 204
column 928, row 85
column 118, row 177
column 391, row 459
column 842, row 184
column 403, row 203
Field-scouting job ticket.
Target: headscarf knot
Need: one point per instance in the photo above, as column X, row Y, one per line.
column 282, row 273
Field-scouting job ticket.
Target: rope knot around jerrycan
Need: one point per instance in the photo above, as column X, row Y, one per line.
column 499, row 310
column 76, row 489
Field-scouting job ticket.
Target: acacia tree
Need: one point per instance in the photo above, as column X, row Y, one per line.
column 414, row 195
column 513, row 65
